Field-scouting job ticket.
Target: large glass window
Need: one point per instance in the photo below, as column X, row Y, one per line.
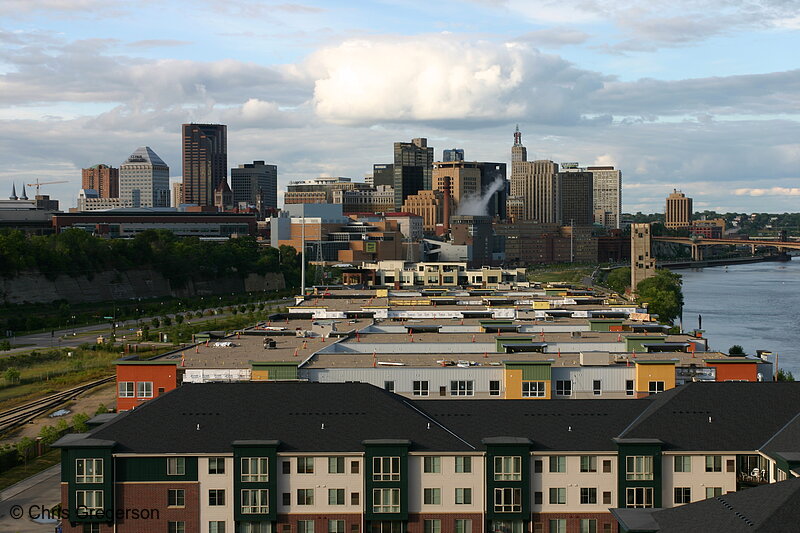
column 655, row 386
column 558, row 463
column 126, row 389
column 558, row 525
column 558, row 495
column 336, row 526
column 588, row 525
column 305, row 496
column 385, row 500
column 420, row 388
column 89, row 499
column 144, row 389
column 533, row 389
column 255, row 501
column 176, row 466
column 432, row 526
column 88, row 470
column 216, row 497
column 463, row 525
column 494, row 388
column 629, row 390
column 432, row 464
column 713, row 492
column 336, row 465
column 713, row 463
column 305, row 465
column 216, row 465
column 639, row 497
column 588, row 495
column 462, row 388
column 683, row 495
column 463, row 464
column 508, row 468
column 639, row 467
column 683, row 463
column 305, row 526
column 176, row 497
column 588, row 463
column 508, row 500
column 335, row 496
column 386, row 468
column 463, row 496
column 432, row 496
column 563, row 387
column 255, row 469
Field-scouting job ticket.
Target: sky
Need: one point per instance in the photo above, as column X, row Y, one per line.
column 702, row 96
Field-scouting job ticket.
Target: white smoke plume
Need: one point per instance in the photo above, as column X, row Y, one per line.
column 476, row 205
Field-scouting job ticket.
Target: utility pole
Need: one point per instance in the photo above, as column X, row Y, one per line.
column 303, row 254
column 571, row 240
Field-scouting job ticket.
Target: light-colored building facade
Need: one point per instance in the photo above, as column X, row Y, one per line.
column 465, row 178
column 144, row 179
column 377, row 200
column 643, row 264
column 177, row 194
column 429, row 205
column 319, row 190
column 535, row 182
column 678, row 210
column 607, row 196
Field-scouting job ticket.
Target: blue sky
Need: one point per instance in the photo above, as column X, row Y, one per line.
column 701, row 96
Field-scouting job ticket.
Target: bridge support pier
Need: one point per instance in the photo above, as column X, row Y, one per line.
column 697, row 253
column 752, row 249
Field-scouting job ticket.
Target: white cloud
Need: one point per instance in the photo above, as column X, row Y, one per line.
column 772, row 191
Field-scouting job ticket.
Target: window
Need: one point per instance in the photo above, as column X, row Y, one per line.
column 88, row 470
column 216, row 526
column 464, row 496
column 335, row 526
column 176, row 466
column 386, row 527
column 606, row 497
column 126, row 389
column 420, row 388
column 506, row 526
column 388, row 385
column 558, row 496
column 385, row 500
column 287, row 498
column 354, row 467
column 335, row 496
column 508, row 468
column 683, row 495
column 639, row 497
column 432, row 526
column 463, row 525
column 286, row 467
column 463, row 464
column 713, row 492
column 713, row 463
column 336, row 465
column 558, row 463
column 216, row 497
column 176, row 497
column 305, row 465
column 144, row 389
column 255, row 501
column 494, row 388
column 638, row 467
column 655, row 386
column 730, row 465
column 563, row 387
column 588, row 525
column 588, row 496
column 588, row 463
column 508, row 500
column 558, row 525
column 432, row 465
column 216, row 465
column 91, row 528
column 462, row 388
column 683, row 463
column 597, row 387
column 537, row 498
column 533, row 389
column 89, row 499
column 305, row 496
column 606, row 466
column 629, row 391
column 255, row 469
column 354, row 499
column 176, row 527
column 255, row 527
column 385, row 468
column 432, row 496
column 537, row 466
column 305, row 526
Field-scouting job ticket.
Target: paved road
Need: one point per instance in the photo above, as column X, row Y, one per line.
column 40, row 491
column 65, row 337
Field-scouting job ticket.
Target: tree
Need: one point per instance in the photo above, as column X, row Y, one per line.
column 167, row 321
column 24, row 449
column 179, row 319
column 79, row 423
column 663, row 295
column 11, row 375
column 101, row 409
column 785, row 376
column 619, row 280
column 49, row 435
column 736, row 350
column 5, row 345
column 155, row 322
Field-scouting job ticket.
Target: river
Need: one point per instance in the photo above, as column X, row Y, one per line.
column 756, row 306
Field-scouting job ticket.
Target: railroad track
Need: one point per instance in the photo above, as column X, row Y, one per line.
column 23, row 414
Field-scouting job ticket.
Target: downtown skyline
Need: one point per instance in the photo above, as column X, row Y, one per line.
column 700, row 99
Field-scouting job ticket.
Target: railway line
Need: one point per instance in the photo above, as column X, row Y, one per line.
column 23, row 414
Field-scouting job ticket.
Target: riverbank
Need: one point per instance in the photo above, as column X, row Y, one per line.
column 677, row 265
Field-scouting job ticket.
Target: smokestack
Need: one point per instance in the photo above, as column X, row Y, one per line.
column 446, row 189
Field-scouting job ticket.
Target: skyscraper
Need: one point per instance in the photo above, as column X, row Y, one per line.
column 453, row 154
column 205, row 161
column 101, row 178
column 607, row 196
column 574, row 196
column 535, row 183
column 413, row 169
column 519, row 155
column 679, row 210
column 144, row 179
column 255, row 183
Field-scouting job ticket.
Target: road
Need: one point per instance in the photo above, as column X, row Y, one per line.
column 65, row 338
column 42, row 490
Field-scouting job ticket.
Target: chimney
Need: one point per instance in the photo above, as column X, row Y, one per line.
column 446, row 190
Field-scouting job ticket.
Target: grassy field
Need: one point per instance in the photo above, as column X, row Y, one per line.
column 567, row 273
column 34, row 466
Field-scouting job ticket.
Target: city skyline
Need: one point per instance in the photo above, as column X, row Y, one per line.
column 656, row 92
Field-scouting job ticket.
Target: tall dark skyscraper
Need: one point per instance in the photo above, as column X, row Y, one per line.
column 413, row 169
column 205, row 161
column 453, row 154
column 574, row 196
column 255, row 183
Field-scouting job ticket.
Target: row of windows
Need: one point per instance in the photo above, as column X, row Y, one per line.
column 139, row 389
column 530, row 389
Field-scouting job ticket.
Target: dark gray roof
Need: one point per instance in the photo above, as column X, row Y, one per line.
column 771, row 508
column 292, row 412
column 786, row 442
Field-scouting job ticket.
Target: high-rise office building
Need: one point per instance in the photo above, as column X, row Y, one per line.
column 256, row 184
column 606, row 196
column 144, row 179
column 101, row 178
column 519, row 156
column 573, row 194
column 383, row 174
column 535, row 183
column 493, row 178
column 465, row 179
column 413, row 169
column 205, row 161
column 177, row 194
column 453, row 154
column 679, row 210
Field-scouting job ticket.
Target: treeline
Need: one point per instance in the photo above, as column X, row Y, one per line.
column 75, row 252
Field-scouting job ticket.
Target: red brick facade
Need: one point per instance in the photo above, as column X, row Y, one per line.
column 605, row 521
column 320, row 521
column 416, row 522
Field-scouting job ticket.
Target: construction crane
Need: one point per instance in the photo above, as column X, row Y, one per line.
column 39, row 184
